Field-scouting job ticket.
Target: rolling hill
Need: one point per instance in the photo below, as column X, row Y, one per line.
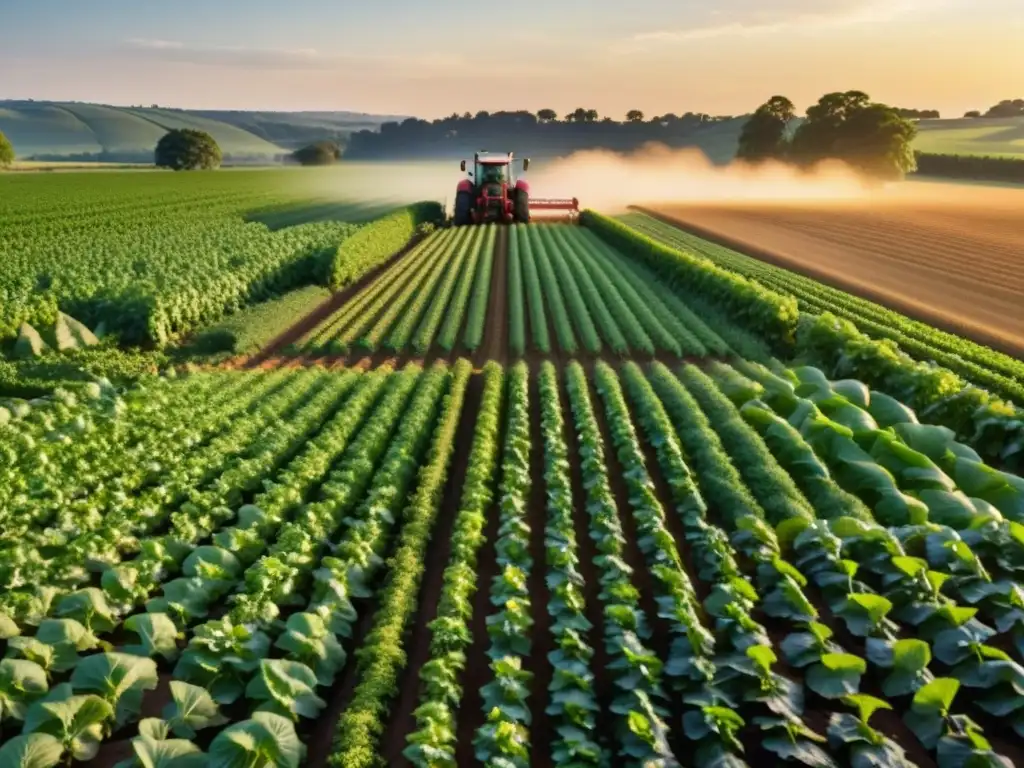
column 998, row 136
column 80, row 131
column 56, row 131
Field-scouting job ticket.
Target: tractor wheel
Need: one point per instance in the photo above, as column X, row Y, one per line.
column 463, row 209
column 522, row 206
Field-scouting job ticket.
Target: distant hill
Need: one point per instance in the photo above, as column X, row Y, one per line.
column 43, row 130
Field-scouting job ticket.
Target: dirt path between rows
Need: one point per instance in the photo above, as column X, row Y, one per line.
column 495, row 342
column 954, row 264
column 417, row 647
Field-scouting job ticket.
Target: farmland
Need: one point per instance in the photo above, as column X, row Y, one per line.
column 536, row 495
column 953, row 260
column 203, row 258
column 679, row 570
column 555, row 288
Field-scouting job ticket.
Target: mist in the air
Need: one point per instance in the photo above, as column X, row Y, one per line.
column 608, row 181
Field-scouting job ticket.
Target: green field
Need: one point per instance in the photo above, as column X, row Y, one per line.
column 547, row 494
column 70, row 130
column 157, row 255
column 998, row 137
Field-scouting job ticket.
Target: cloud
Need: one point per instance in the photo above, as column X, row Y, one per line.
column 742, row 18
column 308, row 59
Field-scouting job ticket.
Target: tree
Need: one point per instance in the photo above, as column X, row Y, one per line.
column 848, row 126
column 920, row 114
column 816, row 137
column 318, row 153
column 6, row 151
column 547, row 115
column 763, row 136
column 972, row 113
column 877, row 141
column 590, row 116
column 634, row 116
column 483, row 114
column 1007, row 108
column 185, row 149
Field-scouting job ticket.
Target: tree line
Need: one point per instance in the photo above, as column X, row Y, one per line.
column 872, row 138
column 976, row 167
column 1005, row 108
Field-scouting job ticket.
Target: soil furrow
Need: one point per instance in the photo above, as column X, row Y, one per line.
column 417, row 645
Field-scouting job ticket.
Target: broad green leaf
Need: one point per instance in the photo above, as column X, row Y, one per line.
column 210, row 562
column 31, row 750
column 89, row 607
column 911, row 655
column 76, row 720
column 120, row 678
column 308, row 640
column 8, row 627
column 888, row 411
column 288, row 685
column 170, row 753
column 68, row 638
column 763, row 657
column 154, row 728
column 157, row 635
column 21, row 683
column 865, row 705
column 191, row 710
column 836, row 675
column 937, row 696
column 267, row 739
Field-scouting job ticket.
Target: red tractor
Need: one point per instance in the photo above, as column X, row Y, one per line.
column 493, row 194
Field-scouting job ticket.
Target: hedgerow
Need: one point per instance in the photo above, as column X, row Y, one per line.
column 375, row 242
column 752, row 304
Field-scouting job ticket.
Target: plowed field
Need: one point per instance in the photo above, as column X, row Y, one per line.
column 956, row 262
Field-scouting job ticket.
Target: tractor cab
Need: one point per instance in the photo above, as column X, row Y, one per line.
column 492, row 193
column 494, row 168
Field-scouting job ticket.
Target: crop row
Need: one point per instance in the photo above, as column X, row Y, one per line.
column 596, row 299
column 740, row 564
column 261, row 559
column 993, row 370
column 437, row 294
column 149, row 276
column 565, row 286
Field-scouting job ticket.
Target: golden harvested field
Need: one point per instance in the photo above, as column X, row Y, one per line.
column 950, row 254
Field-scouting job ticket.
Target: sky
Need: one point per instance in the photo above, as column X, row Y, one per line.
column 432, row 57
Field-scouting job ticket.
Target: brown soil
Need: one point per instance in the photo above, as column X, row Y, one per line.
column 495, row 342
column 953, row 262
column 417, row 647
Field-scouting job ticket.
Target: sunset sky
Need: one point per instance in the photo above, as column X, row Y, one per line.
column 432, row 57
